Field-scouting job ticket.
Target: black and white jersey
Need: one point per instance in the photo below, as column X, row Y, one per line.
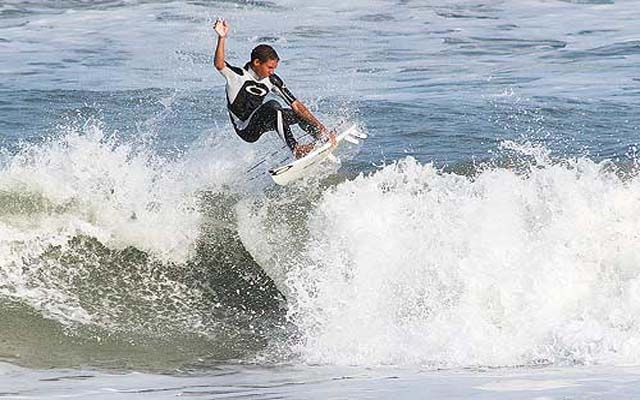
column 246, row 92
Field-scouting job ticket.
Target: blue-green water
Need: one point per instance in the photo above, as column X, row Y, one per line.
column 490, row 219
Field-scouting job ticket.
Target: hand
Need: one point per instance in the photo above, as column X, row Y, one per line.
column 221, row 27
column 332, row 137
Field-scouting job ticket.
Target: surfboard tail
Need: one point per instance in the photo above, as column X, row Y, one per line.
column 285, row 174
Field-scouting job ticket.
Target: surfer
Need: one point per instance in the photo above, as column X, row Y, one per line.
column 246, row 90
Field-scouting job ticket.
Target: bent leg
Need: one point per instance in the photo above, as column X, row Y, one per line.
column 292, row 118
column 269, row 117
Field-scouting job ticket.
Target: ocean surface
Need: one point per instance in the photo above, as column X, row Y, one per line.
column 482, row 243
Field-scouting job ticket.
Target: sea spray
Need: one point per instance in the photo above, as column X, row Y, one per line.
column 97, row 230
column 134, row 198
column 413, row 266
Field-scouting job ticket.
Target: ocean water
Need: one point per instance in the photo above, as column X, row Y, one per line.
column 481, row 243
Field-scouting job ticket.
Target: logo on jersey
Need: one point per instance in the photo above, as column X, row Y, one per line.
column 256, row 90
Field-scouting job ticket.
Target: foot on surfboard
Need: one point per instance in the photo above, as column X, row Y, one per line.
column 313, row 155
column 302, row 150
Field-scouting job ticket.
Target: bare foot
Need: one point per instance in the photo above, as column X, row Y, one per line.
column 302, row 150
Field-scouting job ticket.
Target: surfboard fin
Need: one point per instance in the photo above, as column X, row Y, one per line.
column 351, row 139
column 358, row 134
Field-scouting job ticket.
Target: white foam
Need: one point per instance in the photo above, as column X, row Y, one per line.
column 413, row 266
column 136, row 198
column 90, row 183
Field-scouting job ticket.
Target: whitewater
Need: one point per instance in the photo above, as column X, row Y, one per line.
column 482, row 243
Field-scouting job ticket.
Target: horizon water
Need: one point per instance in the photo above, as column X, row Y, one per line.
column 481, row 243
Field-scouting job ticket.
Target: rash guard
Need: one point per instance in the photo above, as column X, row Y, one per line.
column 246, row 93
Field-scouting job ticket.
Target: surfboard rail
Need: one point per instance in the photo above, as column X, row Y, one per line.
column 296, row 169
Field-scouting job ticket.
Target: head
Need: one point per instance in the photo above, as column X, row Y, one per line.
column 264, row 60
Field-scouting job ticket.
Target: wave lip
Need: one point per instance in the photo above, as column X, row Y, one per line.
column 115, row 254
column 126, row 196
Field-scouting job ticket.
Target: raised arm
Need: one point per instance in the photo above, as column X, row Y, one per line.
column 222, row 29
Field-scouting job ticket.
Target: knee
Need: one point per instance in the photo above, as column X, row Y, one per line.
column 289, row 116
column 273, row 104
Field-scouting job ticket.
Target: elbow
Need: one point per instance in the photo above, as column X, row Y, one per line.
column 219, row 65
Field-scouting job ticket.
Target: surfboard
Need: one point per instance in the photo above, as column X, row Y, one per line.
column 296, row 169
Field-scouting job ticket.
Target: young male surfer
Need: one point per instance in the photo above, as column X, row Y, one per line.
column 246, row 90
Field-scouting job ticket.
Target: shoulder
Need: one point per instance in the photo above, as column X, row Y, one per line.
column 232, row 73
column 282, row 89
column 234, row 69
column 276, row 80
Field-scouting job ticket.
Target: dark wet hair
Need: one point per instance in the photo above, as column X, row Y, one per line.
column 264, row 53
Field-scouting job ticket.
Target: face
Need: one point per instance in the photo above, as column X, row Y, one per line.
column 264, row 69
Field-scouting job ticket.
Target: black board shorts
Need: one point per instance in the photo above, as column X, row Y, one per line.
column 271, row 116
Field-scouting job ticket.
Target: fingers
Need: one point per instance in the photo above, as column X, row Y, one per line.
column 221, row 27
column 332, row 137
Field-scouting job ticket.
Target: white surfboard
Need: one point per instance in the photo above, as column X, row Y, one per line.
column 298, row 168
